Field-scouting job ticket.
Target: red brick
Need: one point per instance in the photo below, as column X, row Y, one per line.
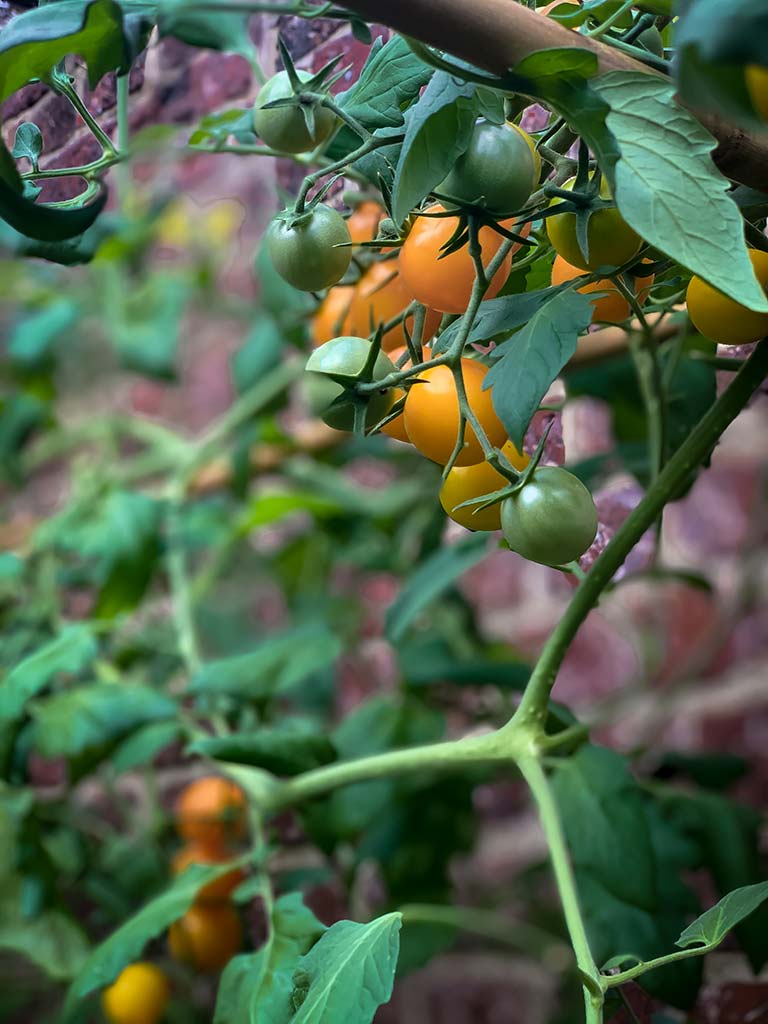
column 22, row 100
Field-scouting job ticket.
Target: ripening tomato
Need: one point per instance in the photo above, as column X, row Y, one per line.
column 345, row 357
column 310, row 252
column 552, row 519
column 138, row 995
column 220, row 889
column 465, row 482
column 284, row 128
column 446, row 283
column 611, row 240
column 496, row 171
column 612, row 308
column 207, row 936
column 331, row 318
column 379, row 297
column 432, row 414
column 363, row 222
column 531, row 144
column 396, row 427
column 722, row 319
column 757, row 86
column 211, row 812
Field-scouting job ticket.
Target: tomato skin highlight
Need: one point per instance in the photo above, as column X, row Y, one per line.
column 465, row 482
column 379, row 297
column 722, row 319
column 211, row 812
column 138, row 995
column 612, row 242
column 552, row 519
column 284, row 128
column 220, row 889
column 305, row 254
column 612, row 308
column 445, row 283
column 206, row 937
column 431, row 414
column 496, row 172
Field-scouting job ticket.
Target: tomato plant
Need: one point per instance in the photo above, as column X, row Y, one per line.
column 287, row 710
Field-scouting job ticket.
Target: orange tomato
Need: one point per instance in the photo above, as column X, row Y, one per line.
column 612, row 308
column 331, row 318
column 379, row 297
column 206, row 937
column 466, row 482
column 138, row 995
column 396, row 427
column 220, row 889
column 432, row 414
column 211, row 812
column 363, row 222
column 446, row 283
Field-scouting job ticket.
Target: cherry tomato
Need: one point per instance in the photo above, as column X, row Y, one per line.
column 331, row 318
column 496, row 171
column 722, row 319
column 345, row 357
column 432, row 414
column 757, row 85
column 138, row 995
column 446, row 283
column 552, row 519
column 211, row 812
column 396, row 427
column 611, row 240
column 531, row 144
column 206, row 937
column 465, row 482
column 379, row 297
column 612, row 308
column 363, row 222
column 312, row 252
column 284, row 128
column 220, row 889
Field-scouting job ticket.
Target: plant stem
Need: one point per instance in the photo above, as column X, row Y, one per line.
column 612, row 980
column 549, row 816
column 123, row 138
column 676, row 473
column 65, row 87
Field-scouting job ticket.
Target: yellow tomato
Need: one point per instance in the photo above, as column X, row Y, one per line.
column 611, row 240
column 722, row 319
column 331, row 318
column 465, row 482
column 138, row 995
column 611, row 308
column 757, row 84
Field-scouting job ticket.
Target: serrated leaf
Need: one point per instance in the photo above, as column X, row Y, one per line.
column 438, row 129
column 391, row 77
column 714, row 924
column 28, row 143
column 284, row 751
column 90, row 716
column 526, row 365
column 348, row 974
column 498, row 317
column 279, row 663
column 72, row 651
column 430, row 579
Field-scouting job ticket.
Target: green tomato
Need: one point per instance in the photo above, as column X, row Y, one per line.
column 497, row 171
column 302, row 249
column 552, row 519
column 611, row 240
column 344, row 358
column 284, row 128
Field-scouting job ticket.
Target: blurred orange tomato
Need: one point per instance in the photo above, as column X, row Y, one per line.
column 363, row 222
column 379, row 297
column 220, row 889
column 611, row 308
column 331, row 318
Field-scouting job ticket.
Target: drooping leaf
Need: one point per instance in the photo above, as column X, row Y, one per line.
column 498, row 317
column 284, row 751
column 47, row 223
column 213, row 29
column 714, row 924
column 70, row 652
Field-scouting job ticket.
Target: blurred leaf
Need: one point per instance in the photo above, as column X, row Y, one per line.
column 33, row 339
column 52, row 941
column 348, row 973
column 71, row 651
column 89, row 716
column 212, row 29
column 331, row 484
column 21, row 414
column 28, row 143
column 260, row 352
column 714, row 924
column 218, row 127
column 282, row 750
column 438, row 129
column 144, row 745
column 430, row 579
column 261, row 983
column 146, row 327
column 711, row 771
column 279, row 663
column 526, row 366
column 424, row 663
column 266, row 509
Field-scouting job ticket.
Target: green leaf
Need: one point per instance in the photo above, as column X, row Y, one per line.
column 269, row 508
column 714, row 924
column 429, row 662
column 528, row 363
column 90, row 716
column 52, row 941
column 260, row 983
column 666, row 184
column 218, row 127
column 348, row 973
column 28, row 143
column 282, row 750
column 47, row 223
column 390, row 79
column 438, row 129
column 259, row 353
column 33, row 339
column 500, row 316
column 143, row 746
column 430, row 579
column 213, row 29
column 20, row 415
column 146, row 327
column 278, row 664
column 125, row 945
column 70, row 652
